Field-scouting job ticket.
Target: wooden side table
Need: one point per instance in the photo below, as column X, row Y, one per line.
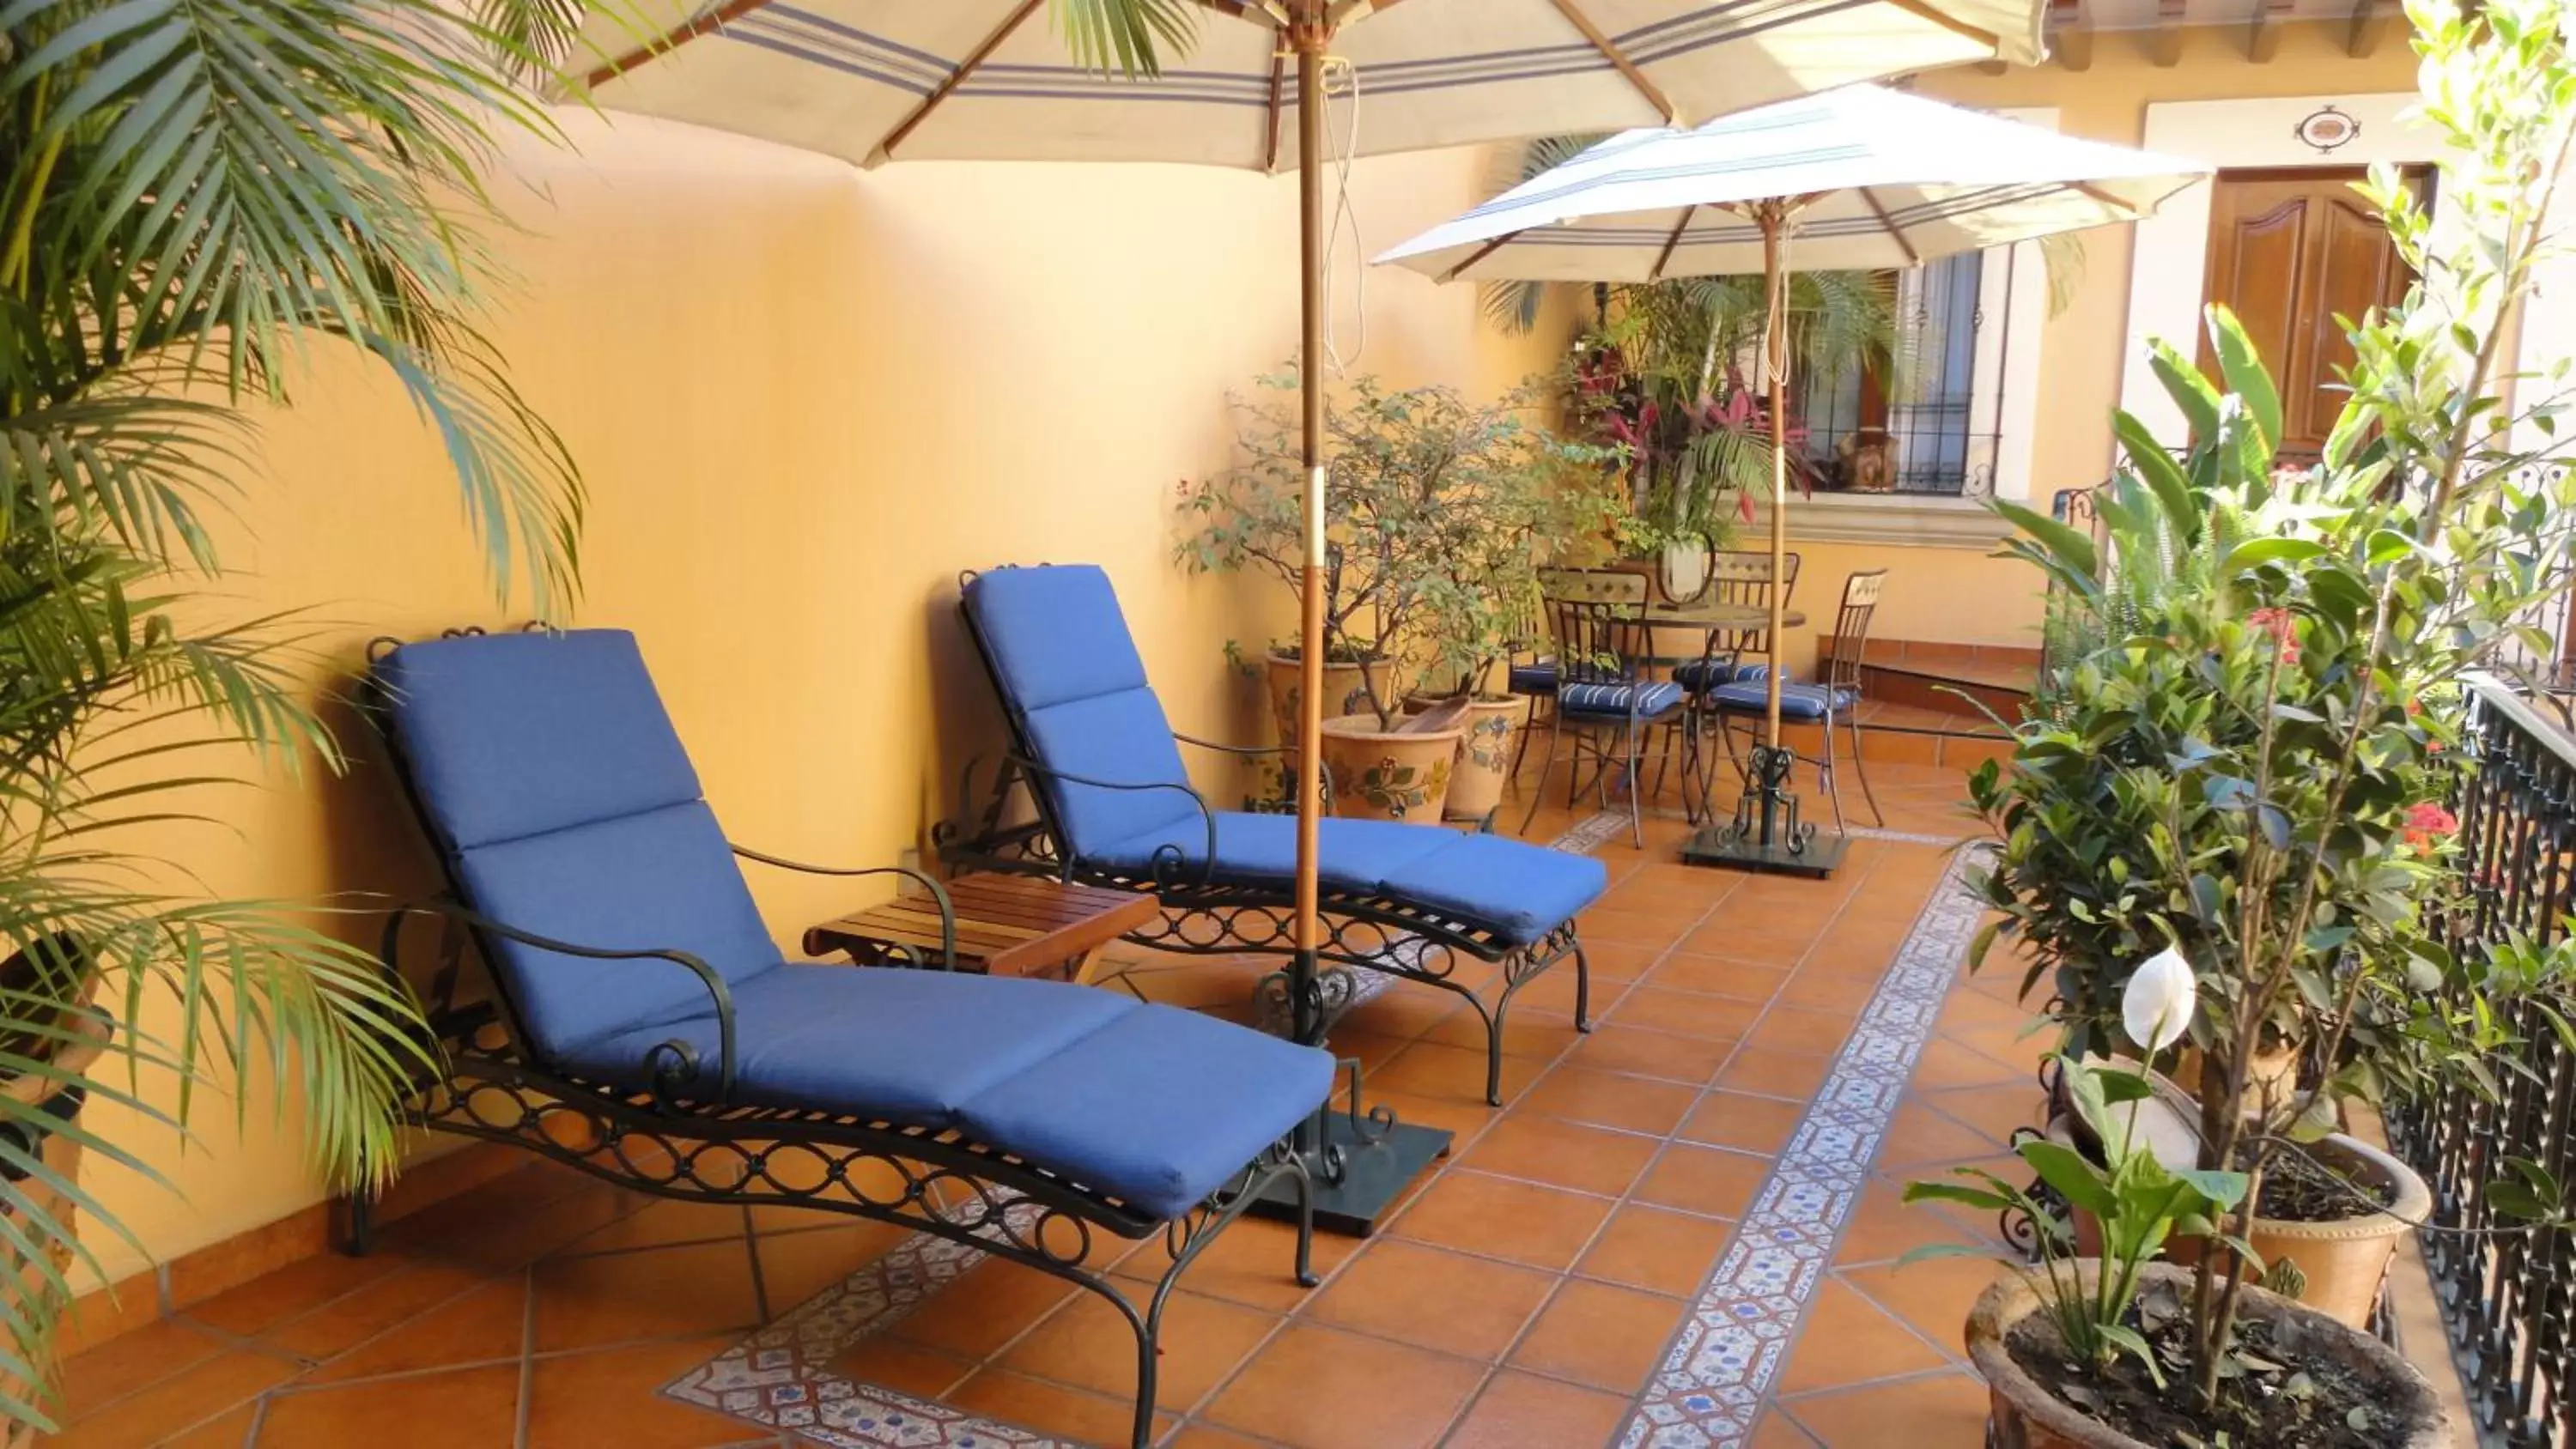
column 1007, row 925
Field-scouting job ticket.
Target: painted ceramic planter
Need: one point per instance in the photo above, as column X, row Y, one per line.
column 1483, row 768
column 1345, row 691
column 2025, row 1415
column 1377, row 775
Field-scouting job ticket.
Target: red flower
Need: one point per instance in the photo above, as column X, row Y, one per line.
column 2426, row 820
column 2283, row 626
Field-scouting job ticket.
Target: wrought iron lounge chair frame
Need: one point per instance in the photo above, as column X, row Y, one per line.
column 706, row 1148
column 1207, row 916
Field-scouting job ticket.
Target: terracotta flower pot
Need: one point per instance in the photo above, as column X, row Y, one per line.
column 1483, row 767
column 2025, row 1415
column 1346, row 691
column 1377, row 775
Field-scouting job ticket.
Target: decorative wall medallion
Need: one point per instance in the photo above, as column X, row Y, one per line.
column 2326, row 130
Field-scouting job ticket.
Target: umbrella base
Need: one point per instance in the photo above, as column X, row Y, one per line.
column 1361, row 1171
column 1766, row 834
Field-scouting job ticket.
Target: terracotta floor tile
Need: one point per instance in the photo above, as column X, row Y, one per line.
column 1320, row 1388
column 1545, row 1227
column 796, row 1266
column 1636, row 1104
column 1253, row 1262
column 1718, row 976
column 1777, row 1430
column 432, row 1411
column 1597, row 1334
column 202, row 1391
column 890, row 1363
column 662, row 1223
column 1947, row 1064
column 1656, row 1249
column 227, row 1431
column 1529, row 1030
column 1688, row 1013
column 1088, row 1345
column 1884, row 1227
column 1934, row 1295
column 1743, row 1121
column 1710, row 1180
column 292, row 1291
column 1791, row 1075
column 1849, row 1340
column 1203, row 1436
column 478, row 1326
column 1640, row 928
column 1942, row 1411
column 1801, row 1029
column 1519, row 1411
column 136, row 1360
column 987, row 1306
column 1463, row 1117
column 1828, row 992
column 1638, row 1051
column 1919, row 1137
column 343, row 1324
column 611, row 1396
column 1994, row 1111
column 1617, row 960
column 1433, row 1298
column 1562, row 1154
column 1449, row 1073
column 649, row 1293
column 1076, row 1414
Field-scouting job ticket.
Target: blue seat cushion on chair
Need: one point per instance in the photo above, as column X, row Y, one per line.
column 1537, row 678
column 1518, row 891
column 1797, row 701
column 518, row 734
column 661, row 880
column 1122, row 737
column 1056, row 633
column 1150, row 1105
column 1357, row 855
column 1702, row 674
column 1159, row 1108
column 911, row 1047
column 1619, row 701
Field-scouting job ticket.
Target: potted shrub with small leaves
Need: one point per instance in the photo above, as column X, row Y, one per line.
column 2241, row 755
column 1428, row 496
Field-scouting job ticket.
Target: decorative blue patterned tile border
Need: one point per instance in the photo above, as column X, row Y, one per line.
column 782, row 1378
column 1736, row 1338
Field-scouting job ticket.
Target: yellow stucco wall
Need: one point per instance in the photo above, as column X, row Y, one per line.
column 805, row 398
column 1961, row 595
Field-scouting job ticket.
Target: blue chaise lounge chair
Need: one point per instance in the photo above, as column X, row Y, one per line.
column 1114, row 806
column 643, row 1026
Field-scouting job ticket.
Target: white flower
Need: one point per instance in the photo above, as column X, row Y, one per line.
column 2158, row 1004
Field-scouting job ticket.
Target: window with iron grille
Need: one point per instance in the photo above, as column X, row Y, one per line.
column 1923, row 421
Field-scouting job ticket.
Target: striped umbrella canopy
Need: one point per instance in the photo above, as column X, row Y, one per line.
column 1862, row 178
column 874, row 80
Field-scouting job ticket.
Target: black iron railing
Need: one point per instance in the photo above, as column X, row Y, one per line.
column 2508, row 1297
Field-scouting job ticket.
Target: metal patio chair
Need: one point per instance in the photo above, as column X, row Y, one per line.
column 1605, row 693
column 1835, row 700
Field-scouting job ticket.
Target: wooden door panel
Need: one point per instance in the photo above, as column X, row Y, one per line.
column 2356, row 269
column 2258, row 252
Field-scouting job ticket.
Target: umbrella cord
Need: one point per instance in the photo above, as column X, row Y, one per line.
column 1340, row 75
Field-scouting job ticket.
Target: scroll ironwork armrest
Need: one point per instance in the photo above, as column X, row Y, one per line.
column 938, row 893
column 665, row 1079
column 1207, row 817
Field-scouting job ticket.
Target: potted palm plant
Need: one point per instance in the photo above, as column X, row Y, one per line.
column 2230, row 795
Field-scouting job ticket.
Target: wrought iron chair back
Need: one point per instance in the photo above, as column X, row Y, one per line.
column 1744, row 577
column 1615, row 586
column 1852, row 622
column 1600, row 641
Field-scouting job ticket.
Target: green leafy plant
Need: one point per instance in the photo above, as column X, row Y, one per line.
column 1436, row 513
column 2244, row 751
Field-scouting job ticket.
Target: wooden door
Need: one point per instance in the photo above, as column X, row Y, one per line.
column 2289, row 251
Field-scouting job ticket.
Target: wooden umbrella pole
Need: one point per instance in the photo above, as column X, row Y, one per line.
column 1774, row 218
column 1308, row 35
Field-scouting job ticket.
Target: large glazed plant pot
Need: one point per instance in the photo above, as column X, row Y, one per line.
column 1483, row 767
column 2025, row 1415
column 1379, row 775
column 1346, row 691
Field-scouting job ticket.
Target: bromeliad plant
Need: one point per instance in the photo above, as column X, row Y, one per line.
column 2243, row 755
column 1437, row 512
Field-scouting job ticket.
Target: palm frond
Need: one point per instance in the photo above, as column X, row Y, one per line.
column 1127, row 37
column 1514, row 306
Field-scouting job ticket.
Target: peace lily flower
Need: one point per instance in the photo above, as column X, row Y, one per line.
column 2159, row 1001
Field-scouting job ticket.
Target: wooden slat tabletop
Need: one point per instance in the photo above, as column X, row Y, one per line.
column 1007, row 924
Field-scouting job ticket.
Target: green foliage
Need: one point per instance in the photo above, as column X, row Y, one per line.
column 2245, row 746
column 1437, row 513
column 2137, row 1203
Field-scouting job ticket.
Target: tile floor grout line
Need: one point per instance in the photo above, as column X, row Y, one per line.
column 527, row 1359
column 1734, row 1411
column 258, row 1418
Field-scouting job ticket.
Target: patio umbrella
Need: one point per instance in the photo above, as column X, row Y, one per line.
column 878, row 80
column 1862, row 178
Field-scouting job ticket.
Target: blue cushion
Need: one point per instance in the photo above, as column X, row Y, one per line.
column 1518, row 891
column 1700, row 674
column 1797, row 701
column 1537, row 679
column 1358, row 855
column 1619, row 701
column 1154, row 1106
column 1068, row 669
column 518, row 734
column 1159, row 1108
column 661, row 880
column 1124, row 738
